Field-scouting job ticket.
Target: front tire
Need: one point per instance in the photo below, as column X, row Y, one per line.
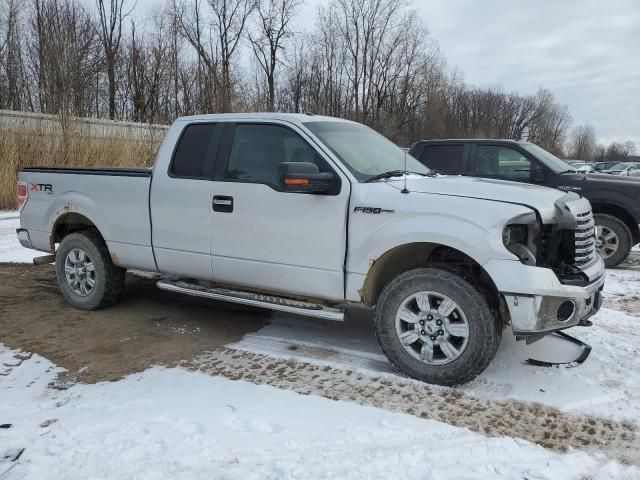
column 436, row 327
column 87, row 277
column 613, row 239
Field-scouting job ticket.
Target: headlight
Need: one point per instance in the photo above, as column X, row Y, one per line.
column 519, row 238
column 514, row 234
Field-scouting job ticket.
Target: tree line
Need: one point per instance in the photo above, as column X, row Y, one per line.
column 583, row 146
column 373, row 61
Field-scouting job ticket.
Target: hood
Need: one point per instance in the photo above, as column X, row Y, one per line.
column 542, row 199
column 601, row 178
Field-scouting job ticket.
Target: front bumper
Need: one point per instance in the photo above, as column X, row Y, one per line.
column 540, row 303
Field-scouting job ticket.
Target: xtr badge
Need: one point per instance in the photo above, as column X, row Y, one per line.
column 42, row 187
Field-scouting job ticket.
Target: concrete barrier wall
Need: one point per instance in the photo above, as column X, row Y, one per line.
column 90, row 127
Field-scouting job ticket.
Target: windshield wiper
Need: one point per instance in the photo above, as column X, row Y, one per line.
column 393, row 173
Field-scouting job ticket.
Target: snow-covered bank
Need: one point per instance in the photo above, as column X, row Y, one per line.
column 170, row 423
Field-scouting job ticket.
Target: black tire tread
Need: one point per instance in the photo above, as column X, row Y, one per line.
column 624, row 236
column 114, row 276
column 485, row 352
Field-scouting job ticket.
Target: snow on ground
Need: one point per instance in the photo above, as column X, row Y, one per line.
column 606, row 385
column 171, row 423
column 10, row 248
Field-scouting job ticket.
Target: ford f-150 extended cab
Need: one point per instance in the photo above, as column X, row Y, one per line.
column 316, row 215
column 615, row 199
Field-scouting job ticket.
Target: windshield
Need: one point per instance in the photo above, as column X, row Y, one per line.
column 362, row 150
column 549, row 159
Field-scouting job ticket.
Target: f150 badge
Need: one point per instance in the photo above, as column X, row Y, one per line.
column 373, row 210
column 42, row 187
column 569, row 188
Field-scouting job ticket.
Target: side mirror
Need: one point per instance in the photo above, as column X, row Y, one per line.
column 537, row 175
column 303, row 177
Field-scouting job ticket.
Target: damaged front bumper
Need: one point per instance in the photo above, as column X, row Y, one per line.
column 541, row 303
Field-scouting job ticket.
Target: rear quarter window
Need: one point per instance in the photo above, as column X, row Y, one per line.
column 444, row 158
column 195, row 152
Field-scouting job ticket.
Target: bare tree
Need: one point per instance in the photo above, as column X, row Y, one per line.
column 230, row 20
column 583, row 142
column 65, row 57
column 273, row 29
column 110, row 33
column 191, row 24
column 619, row 151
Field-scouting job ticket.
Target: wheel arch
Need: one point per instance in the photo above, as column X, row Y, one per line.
column 71, row 222
column 405, row 257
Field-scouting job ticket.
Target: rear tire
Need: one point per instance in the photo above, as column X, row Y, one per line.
column 87, row 277
column 443, row 310
column 613, row 238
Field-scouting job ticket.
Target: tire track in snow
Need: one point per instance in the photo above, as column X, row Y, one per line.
column 534, row 422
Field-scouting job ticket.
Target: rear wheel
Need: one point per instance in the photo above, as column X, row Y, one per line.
column 436, row 327
column 613, row 239
column 86, row 275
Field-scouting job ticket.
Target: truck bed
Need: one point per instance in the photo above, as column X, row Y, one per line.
column 114, row 199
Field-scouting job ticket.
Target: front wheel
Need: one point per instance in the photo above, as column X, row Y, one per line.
column 436, row 327
column 86, row 275
column 613, row 239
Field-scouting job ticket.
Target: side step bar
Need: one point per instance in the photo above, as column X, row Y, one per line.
column 280, row 304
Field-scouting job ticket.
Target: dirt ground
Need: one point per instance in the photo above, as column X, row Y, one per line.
column 153, row 327
column 147, row 327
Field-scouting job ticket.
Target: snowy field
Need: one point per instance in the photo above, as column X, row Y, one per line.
column 177, row 423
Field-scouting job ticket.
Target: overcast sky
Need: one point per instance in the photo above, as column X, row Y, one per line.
column 587, row 52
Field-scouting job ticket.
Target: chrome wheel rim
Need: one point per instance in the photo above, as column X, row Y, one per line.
column 79, row 272
column 432, row 328
column 606, row 241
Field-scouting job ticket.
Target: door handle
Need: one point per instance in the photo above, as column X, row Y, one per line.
column 222, row 203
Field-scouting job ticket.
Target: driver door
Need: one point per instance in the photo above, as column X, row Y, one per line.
column 263, row 237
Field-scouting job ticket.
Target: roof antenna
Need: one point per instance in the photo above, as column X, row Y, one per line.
column 404, row 190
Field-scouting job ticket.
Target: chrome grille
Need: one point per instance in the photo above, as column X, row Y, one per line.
column 585, row 239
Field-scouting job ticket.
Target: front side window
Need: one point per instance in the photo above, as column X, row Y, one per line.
column 503, row 162
column 362, row 150
column 258, row 150
column 195, row 152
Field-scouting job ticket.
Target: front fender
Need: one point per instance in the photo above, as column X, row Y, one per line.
column 479, row 238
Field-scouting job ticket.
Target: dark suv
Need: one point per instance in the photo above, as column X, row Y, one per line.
column 615, row 199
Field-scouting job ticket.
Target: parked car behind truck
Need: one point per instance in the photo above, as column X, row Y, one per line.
column 316, row 215
column 615, row 199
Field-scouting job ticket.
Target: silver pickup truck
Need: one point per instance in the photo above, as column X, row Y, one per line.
column 316, row 215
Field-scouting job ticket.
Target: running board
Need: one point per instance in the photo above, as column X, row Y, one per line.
column 280, row 304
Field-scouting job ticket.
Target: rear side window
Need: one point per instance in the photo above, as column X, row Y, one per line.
column 444, row 158
column 195, row 152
